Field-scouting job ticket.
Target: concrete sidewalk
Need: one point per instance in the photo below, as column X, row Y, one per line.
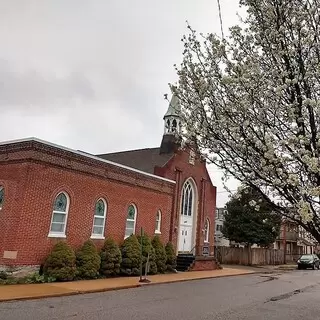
column 45, row 290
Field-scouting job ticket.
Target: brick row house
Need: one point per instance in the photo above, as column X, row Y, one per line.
column 295, row 241
column 49, row 192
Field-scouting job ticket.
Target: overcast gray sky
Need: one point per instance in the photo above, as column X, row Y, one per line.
column 91, row 74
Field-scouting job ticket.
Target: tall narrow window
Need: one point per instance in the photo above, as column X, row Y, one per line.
column 99, row 219
column 174, row 125
column 131, row 221
column 158, row 222
column 1, row 197
column 187, row 199
column 59, row 215
column 207, row 231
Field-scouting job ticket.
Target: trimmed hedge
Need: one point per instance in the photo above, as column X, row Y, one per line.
column 110, row 258
column 130, row 251
column 171, row 257
column 61, row 263
column 147, row 248
column 160, row 254
column 88, row 261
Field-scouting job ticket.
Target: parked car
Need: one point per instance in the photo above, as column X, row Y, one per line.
column 308, row 261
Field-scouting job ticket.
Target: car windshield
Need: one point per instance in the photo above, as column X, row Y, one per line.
column 306, row 257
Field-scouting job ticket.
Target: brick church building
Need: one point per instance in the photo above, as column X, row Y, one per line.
column 49, row 192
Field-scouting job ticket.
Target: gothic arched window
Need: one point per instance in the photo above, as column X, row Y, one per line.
column 187, row 199
column 207, row 231
column 99, row 219
column 59, row 215
column 131, row 221
column 158, row 222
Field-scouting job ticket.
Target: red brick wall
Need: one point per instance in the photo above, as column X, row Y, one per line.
column 204, row 264
column 32, row 185
column 178, row 168
column 30, row 190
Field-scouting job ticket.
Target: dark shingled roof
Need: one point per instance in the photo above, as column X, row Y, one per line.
column 141, row 159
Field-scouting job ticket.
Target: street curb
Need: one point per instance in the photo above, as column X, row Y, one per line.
column 195, row 279
column 50, row 295
column 131, row 286
column 71, row 293
column 139, row 285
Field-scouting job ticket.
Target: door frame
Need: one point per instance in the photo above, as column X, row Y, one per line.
column 195, row 206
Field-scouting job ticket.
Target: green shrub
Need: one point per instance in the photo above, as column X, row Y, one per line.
column 130, row 251
column 3, row 275
column 88, row 261
column 160, row 252
column 31, row 278
column 110, row 258
column 171, row 257
column 147, row 248
column 61, row 263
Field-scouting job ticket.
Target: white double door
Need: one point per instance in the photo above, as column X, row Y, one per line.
column 185, row 236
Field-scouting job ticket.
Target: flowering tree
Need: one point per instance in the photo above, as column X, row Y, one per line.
column 252, row 103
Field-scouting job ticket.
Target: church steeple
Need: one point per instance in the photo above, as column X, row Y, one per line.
column 171, row 139
column 172, row 118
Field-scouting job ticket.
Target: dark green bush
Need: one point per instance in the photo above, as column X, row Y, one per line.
column 88, row 261
column 3, row 275
column 110, row 258
column 61, row 263
column 160, row 254
column 147, row 248
column 130, row 251
column 171, row 257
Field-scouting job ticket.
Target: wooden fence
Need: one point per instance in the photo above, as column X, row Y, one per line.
column 254, row 256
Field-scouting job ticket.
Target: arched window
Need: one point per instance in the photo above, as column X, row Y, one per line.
column 187, row 199
column 174, row 125
column 131, row 221
column 1, row 197
column 207, row 231
column 59, row 215
column 99, row 219
column 168, row 125
column 158, row 222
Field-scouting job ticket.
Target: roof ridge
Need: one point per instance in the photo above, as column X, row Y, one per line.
column 124, row 151
column 81, row 153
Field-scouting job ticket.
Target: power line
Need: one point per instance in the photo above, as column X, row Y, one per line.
column 226, row 191
column 220, row 16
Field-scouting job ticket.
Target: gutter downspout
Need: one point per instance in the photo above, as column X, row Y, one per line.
column 175, row 202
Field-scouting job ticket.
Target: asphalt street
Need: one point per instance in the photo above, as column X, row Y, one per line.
column 291, row 295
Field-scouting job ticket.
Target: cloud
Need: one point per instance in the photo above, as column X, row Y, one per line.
column 91, row 75
column 33, row 89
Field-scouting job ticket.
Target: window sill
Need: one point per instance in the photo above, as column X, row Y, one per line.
column 57, row 235
column 97, row 237
column 157, row 232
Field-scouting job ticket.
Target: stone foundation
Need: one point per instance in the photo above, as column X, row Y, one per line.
column 202, row 263
column 19, row 270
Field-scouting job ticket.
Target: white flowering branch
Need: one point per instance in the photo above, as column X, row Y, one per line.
column 252, row 102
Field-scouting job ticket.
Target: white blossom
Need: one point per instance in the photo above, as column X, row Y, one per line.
column 252, row 101
column 252, row 203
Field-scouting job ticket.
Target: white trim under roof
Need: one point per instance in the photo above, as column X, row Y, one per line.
column 84, row 154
